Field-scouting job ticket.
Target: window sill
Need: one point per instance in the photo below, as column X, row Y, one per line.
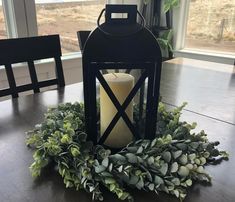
column 207, row 56
column 65, row 57
column 74, row 55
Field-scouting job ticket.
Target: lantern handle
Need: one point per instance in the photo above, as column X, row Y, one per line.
column 143, row 24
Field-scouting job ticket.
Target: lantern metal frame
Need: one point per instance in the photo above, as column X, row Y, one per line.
column 121, row 44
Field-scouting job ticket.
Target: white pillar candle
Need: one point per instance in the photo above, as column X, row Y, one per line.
column 121, row 84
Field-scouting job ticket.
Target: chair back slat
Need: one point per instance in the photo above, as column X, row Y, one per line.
column 28, row 50
column 33, row 76
column 11, row 80
column 31, row 48
column 5, row 92
column 59, row 71
column 47, row 83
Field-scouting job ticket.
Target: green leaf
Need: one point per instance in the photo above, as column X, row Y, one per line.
column 175, row 3
column 181, row 146
column 106, row 174
column 124, row 196
column 120, row 168
column 148, row 175
column 169, row 183
column 133, row 179
column 177, row 194
column 151, row 186
column 132, row 149
column 164, row 169
column 74, row 151
column 140, row 160
column 140, row 184
column 110, row 167
column 176, row 181
column 132, row 158
column 82, row 137
column 164, row 44
column 153, row 143
column 109, row 180
column 166, row 7
column 224, row 154
column 192, row 156
column 197, row 161
column 183, row 171
column 140, row 150
column 65, row 164
column 170, row 4
column 69, row 184
column 174, row 167
column 194, row 145
column 166, row 156
column 189, row 182
column 202, row 160
column 206, row 155
column 99, row 169
column 203, row 177
column 119, row 193
column 112, row 187
column 91, row 188
column 183, row 160
column 189, row 166
column 182, row 196
column 177, row 154
column 200, row 169
column 158, row 180
column 170, row 47
column 105, row 162
column 167, row 35
column 117, row 157
column 150, row 160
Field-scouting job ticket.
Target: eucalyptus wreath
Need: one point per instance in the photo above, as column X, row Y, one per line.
column 169, row 163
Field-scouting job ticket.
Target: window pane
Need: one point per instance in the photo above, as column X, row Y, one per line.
column 66, row 17
column 3, row 33
column 211, row 25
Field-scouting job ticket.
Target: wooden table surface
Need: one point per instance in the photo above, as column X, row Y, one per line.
column 209, row 89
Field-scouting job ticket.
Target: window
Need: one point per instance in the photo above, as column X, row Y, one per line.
column 211, row 26
column 3, row 33
column 66, row 17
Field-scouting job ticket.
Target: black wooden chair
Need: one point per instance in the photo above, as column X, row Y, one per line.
column 28, row 50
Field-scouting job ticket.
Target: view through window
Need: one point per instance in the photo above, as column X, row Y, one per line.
column 3, row 33
column 211, row 25
column 66, row 17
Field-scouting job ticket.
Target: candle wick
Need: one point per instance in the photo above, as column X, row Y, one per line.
column 115, row 75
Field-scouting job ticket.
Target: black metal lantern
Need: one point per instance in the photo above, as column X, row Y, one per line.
column 121, row 43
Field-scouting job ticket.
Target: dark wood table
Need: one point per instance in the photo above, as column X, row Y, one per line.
column 208, row 87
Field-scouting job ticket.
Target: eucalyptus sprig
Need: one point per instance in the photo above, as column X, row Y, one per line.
column 170, row 163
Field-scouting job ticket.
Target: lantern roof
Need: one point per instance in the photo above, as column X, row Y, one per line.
column 121, row 39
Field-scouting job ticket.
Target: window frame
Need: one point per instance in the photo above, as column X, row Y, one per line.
column 180, row 19
column 15, row 18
